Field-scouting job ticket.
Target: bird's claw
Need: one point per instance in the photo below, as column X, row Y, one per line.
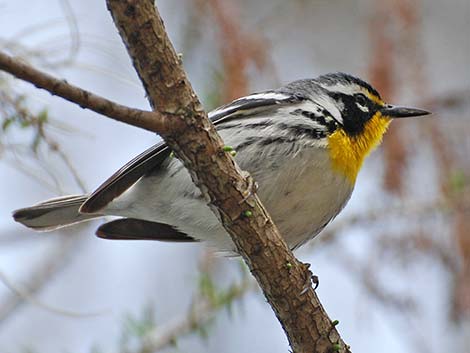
column 316, row 281
column 310, row 279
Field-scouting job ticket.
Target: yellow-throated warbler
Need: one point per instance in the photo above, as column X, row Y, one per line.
column 303, row 143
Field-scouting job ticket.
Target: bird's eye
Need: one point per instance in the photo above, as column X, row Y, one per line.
column 361, row 99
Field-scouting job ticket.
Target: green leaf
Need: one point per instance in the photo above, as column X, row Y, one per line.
column 25, row 123
column 6, row 123
column 458, row 180
column 207, row 288
column 43, row 116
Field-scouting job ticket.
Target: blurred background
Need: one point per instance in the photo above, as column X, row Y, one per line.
column 394, row 267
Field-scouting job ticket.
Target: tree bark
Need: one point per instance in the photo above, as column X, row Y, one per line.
column 286, row 282
column 181, row 121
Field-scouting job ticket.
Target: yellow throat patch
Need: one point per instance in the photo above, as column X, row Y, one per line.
column 348, row 152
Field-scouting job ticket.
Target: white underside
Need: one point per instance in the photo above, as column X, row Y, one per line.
column 296, row 184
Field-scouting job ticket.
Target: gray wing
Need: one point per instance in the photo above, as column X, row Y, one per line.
column 153, row 157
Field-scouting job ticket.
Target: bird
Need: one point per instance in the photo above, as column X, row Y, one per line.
column 303, row 143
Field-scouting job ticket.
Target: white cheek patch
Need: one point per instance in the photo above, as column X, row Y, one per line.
column 361, row 107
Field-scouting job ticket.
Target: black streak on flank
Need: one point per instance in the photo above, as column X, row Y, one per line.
column 248, row 142
column 261, row 124
column 264, row 141
column 228, row 126
column 303, row 130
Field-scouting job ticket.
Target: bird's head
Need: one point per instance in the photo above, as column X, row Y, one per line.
column 362, row 118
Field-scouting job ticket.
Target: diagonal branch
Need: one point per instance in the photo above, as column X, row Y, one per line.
column 182, row 122
column 147, row 120
column 285, row 281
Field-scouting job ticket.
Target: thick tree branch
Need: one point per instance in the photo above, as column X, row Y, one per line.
column 182, row 122
column 285, row 281
column 147, row 120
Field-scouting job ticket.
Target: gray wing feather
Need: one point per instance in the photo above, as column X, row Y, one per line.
column 53, row 214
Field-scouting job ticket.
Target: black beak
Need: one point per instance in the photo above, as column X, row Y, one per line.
column 402, row 112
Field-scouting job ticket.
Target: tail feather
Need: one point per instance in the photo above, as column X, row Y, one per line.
column 54, row 213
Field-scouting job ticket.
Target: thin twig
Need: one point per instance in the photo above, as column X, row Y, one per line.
column 55, row 147
column 18, row 165
column 73, row 31
column 26, row 296
column 24, row 116
column 206, row 303
column 365, row 275
column 200, row 313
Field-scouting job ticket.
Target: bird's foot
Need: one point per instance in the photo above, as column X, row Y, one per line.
column 310, row 279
